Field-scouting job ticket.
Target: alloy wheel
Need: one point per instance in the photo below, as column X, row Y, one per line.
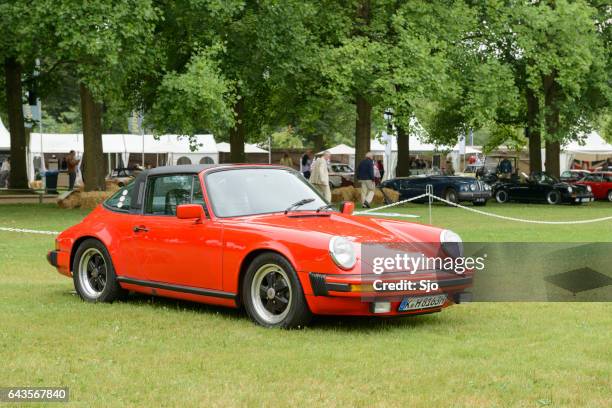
column 271, row 293
column 93, row 272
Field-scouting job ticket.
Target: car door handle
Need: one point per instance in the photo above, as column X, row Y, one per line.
column 140, row 228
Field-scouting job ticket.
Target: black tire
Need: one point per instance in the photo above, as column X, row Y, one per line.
column 610, row 195
column 94, row 274
column 479, row 204
column 451, row 195
column 553, row 197
column 501, row 196
column 271, row 278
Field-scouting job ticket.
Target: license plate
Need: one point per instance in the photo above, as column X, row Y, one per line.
column 585, row 200
column 421, row 302
column 480, row 200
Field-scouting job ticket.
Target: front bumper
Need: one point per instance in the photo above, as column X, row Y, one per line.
column 60, row 260
column 52, row 258
column 474, row 195
column 579, row 198
column 355, row 294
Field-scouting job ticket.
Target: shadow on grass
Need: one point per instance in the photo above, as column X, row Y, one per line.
column 319, row 323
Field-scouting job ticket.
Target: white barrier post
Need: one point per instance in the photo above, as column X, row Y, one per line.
column 429, row 192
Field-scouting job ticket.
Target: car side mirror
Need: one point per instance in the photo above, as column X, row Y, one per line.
column 190, row 212
column 347, row 207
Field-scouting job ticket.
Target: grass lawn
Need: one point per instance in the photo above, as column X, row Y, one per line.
column 156, row 352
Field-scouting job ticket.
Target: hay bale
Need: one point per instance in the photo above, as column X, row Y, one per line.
column 392, row 196
column 354, row 194
column 345, row 194
column 89, row 200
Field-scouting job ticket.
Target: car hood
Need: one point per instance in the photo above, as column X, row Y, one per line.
column 577, row 187
column 359, row 228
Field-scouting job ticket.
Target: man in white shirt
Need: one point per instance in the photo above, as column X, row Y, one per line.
column 319, row 175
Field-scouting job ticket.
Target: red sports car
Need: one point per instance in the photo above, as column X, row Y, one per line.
column 252, row 236
column 601, row 185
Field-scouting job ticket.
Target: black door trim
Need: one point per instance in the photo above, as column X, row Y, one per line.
column 178, row 288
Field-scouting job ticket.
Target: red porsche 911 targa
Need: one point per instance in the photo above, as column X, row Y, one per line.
column 253, row 236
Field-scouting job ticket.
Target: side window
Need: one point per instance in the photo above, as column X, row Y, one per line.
column 198, row 196
column 165, row 193
column 121, row 199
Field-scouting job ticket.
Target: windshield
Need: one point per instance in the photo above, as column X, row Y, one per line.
column 543, row 178
column 238, row 192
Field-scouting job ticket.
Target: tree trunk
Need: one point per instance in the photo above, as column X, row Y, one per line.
column 93, row 157
column 553, row 150
column 237, row 134
column 403, row 153
column 551, row 118
column 362, row 129
column 532, row 131
column 19, row 175
column 319, row 142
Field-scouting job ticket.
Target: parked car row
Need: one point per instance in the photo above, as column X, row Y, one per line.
column 539, row 187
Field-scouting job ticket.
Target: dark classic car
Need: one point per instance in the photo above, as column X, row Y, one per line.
column 540, row 187
column 451, row 188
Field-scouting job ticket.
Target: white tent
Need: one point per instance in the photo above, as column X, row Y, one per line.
column 202, row 151
column 5, row 138
column 224, row 147
column 340, row 150
column 589, row 147
column 178, row 148
column 592, row 144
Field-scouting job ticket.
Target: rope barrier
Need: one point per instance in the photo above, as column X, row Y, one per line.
column 503, row 217
column 28, row 231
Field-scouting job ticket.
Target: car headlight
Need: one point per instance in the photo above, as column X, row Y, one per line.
column 589, row 189
column 342, row 252
column 463, row 187
column 451, row 243
column 569, row 189
column 473, row 187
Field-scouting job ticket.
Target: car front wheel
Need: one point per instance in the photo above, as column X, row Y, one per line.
column 94, row 275
column 553, row 197
column 272, row 294
column 451, row 195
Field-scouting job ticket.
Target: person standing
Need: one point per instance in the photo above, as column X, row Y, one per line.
column 319, row 176
column 365, row 175
column 72, row 163
column 305, row 163
column 5, row 172
column 286, row 160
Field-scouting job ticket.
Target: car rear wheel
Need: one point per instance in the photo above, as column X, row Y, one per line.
column 553, row 197
column 272, row 294
column 501, row 196
column 610, row 195
column 94, row 275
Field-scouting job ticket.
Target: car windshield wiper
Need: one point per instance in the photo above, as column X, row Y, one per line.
column 299, row 204
column 326, row 206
